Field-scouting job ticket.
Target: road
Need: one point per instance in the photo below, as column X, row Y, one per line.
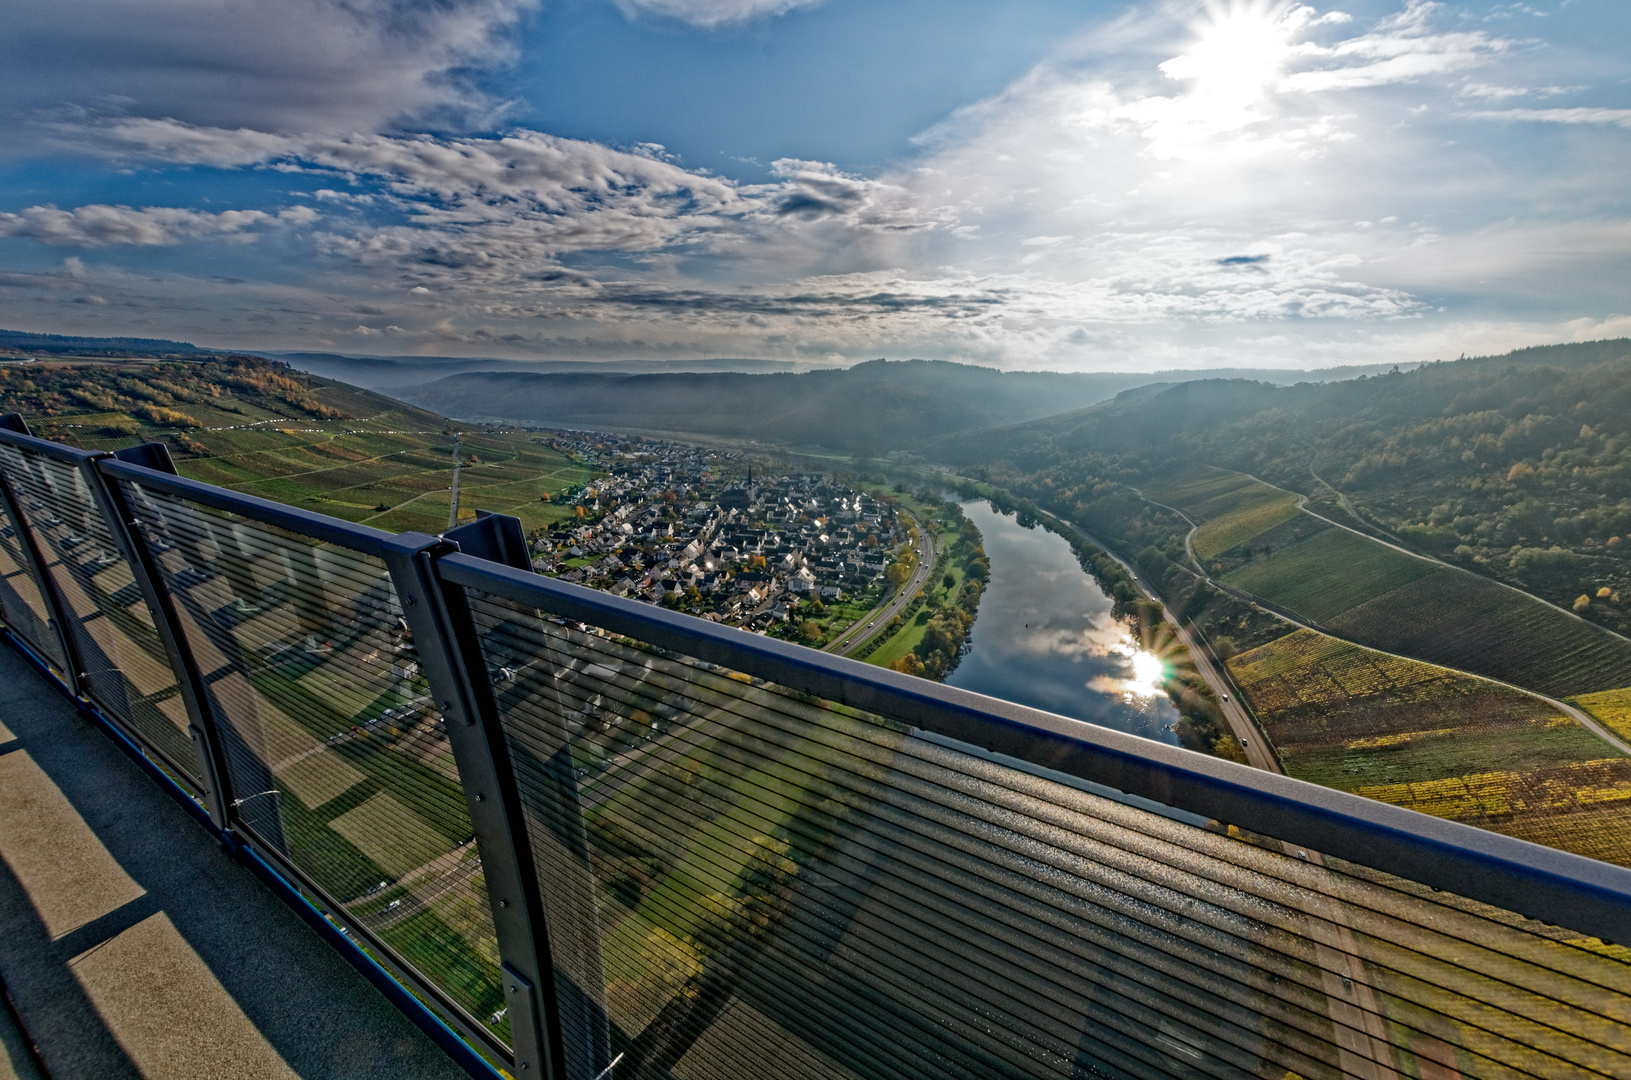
column 862, row 631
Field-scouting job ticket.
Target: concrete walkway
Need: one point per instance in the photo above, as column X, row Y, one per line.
column 134, row 947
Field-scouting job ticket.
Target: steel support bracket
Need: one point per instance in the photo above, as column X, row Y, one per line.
column 444, row 638
column 124, row 527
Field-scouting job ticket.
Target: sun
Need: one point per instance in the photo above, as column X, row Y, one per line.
column 1237, row 56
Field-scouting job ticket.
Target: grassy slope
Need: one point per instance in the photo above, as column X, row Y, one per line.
column 381, row 453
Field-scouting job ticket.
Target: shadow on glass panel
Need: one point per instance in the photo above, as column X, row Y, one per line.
column 337, row 759
column 783, row 887
column 124, row 667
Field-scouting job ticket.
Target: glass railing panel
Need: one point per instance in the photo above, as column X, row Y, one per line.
column 21, row 605
column 743, row 880
column 124, row 667
column 337, row 760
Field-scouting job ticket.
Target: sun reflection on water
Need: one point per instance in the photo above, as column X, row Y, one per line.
column 1149, row 672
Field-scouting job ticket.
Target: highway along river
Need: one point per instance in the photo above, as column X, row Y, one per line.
column 1044, row 637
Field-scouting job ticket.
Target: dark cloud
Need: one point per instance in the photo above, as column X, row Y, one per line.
column 293, row 65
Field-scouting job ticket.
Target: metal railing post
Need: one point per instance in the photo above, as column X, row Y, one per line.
column 124, row 527
column 444, row 637
column 49, row 596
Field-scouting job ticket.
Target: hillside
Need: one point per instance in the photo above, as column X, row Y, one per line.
column 871, row 407
column 22, row 342
column 390, row 373
column 1515, row 467
column 261, row 428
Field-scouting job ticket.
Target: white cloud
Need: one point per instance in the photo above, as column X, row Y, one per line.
column 1615, row 117
column 711, row 13
column 96, row 226
column 1502, row 93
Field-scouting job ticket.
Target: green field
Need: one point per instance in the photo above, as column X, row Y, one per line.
column 1328, row 573
column 1438, row 741
column 296, row 439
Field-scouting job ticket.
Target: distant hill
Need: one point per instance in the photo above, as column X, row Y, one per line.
column 392, row 372
column 876, row 406
column 63, row 345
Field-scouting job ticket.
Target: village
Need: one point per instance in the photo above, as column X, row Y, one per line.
column 697, row 530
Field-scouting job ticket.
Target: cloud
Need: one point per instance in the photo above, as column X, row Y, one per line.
column 1501, row 93
column 1615, row 117
column 710, row 13
column 1296, row 188
column 1400, row 48
column 97, row 226
column 296, row 65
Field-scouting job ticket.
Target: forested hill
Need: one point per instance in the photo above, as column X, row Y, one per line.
column 20, row 341
column 1518, row 466
column 869, row 407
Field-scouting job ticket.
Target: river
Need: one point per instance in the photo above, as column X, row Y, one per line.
column 1044, row 637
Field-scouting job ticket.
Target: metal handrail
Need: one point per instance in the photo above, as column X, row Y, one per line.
column 1544, row 883
column 331, row 530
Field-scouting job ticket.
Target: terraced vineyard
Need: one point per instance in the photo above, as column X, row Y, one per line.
column 1440, row 742
column 1467, row 622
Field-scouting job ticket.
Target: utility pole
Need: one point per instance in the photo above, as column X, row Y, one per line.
column 453, row 511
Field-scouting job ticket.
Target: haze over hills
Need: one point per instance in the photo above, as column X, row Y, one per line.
column 392, row 372
column 878, row 405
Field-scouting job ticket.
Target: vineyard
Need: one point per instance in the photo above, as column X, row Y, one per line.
column 1438, row 741
column 1328, row 573
column 1231, row 508
column 268, row 431
column 1368, row 592
column 1468, row 622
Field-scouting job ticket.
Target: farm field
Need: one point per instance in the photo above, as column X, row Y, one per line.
column 308, row 442
column 1231, row 508
column 1611, row 707
column 1328, row 573
column 1438, row 741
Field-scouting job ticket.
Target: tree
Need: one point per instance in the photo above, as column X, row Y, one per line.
column 810, row 631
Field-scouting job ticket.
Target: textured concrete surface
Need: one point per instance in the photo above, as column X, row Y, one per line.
column 134, row 947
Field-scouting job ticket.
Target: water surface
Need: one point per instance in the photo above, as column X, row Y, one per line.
column 1044, row 637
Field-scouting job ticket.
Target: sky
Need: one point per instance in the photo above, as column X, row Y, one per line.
column 1026, row 184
